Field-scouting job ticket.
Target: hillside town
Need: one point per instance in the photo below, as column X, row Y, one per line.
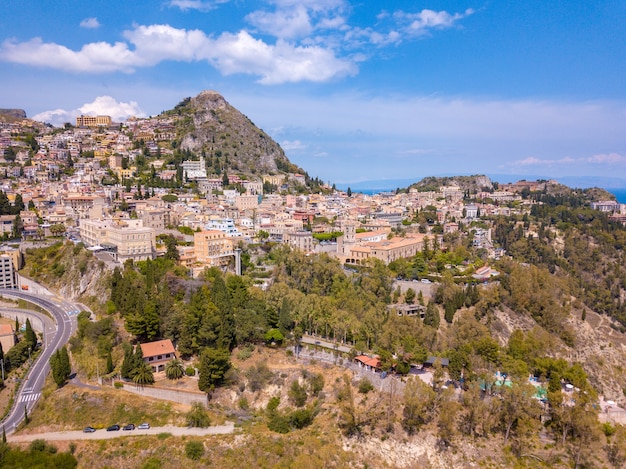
column 85, row 182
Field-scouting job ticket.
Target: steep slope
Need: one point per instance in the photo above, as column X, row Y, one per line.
column 210, row 126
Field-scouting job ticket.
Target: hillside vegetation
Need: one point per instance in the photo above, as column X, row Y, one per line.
column 555, row 313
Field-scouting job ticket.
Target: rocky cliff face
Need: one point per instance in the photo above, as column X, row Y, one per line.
column 10, row 115
column 210, row 126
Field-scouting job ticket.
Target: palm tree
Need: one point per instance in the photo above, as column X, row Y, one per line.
column 174, row 369
column 143, row 375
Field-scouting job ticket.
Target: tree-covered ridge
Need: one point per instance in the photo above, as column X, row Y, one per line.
column 565, row 236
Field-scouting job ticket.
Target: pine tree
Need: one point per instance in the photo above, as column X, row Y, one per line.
column 4, row 435
column 214, row 364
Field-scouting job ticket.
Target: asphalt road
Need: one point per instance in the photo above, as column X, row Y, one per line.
column 64, row 314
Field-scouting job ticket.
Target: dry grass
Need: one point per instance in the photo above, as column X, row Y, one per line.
column 73, row 408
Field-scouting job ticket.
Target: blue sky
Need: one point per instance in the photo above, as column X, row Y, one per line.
column 352, row 90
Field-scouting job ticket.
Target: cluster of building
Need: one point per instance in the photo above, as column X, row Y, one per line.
column 125, row 224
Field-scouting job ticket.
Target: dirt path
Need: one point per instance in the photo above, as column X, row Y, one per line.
column 102, row 434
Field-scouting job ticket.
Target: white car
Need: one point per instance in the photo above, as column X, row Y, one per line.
column 143, row 426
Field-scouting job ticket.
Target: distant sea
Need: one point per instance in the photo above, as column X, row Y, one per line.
column 620, row 195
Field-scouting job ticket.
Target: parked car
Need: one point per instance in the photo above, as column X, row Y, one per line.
column 425, row 280
column 89, row 430
column 113, row 428
column 130, row 426
column 143, row 426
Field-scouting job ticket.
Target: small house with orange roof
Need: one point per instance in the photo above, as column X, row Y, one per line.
column 370, row 363
column 157, row 354
column 7, row 337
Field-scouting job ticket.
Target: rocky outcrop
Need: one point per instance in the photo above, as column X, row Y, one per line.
column 12, row 114
column 209, row 125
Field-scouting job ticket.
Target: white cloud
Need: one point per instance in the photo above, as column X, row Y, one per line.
column 101, row 106
column 291, row 23
column 420, row 23
column 602, row 159
column 90, row 23
column 289, row 145
column 199, row 5
column 610, row 158
column 94, row 57
column 229, row 53
column 281, row 63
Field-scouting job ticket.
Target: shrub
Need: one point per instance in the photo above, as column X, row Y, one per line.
column 194, row 449
column 297, row 394
column 152, row 463
column 301, row 418
column 245, row 353
column 118, row 385
column 190, row 371
column 365, row 386
column 258, row 376
column 197, row 416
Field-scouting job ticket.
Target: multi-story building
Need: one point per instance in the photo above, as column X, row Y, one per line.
column 246, row 202
column 125, row 239
column 302, row 240
column 8, row 272
column 93, row 121
column 212, row 247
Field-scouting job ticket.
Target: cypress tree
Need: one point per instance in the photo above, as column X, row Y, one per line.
column 127, row 364
column 110, row 367
column 4, row 435
column 66, row 366
column 29, row 335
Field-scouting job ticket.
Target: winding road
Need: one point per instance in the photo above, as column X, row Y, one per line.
column 64, row 314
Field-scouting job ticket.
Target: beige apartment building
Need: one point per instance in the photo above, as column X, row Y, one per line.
column 212, row 248
column 302, row 240
column 125, row 239
column 93, row 121
column 246, row 202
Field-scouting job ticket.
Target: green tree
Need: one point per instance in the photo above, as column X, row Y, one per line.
column 66, row 366
column 58, row 368
column 29, row 335
column 214, row 363
column 409, row 296
column 143, row 375
column 174, row 369
column 109, row 365
column 127, row 364
column 418, row 407
column 197, row 416
column 431, row 317
column 297, row 394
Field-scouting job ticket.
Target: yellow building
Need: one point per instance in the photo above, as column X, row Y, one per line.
column 93, row 121
column 212, row 248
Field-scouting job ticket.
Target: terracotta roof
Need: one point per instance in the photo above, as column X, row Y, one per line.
column 160, row 347
column 6, row 329
column 369, row 361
